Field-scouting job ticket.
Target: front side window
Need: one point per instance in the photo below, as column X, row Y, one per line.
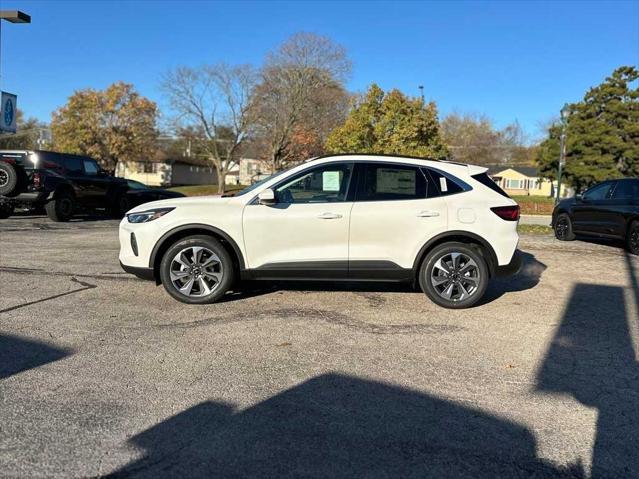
column 390, row 182
column 598, row 193
column 324, row 184
column 90, row 167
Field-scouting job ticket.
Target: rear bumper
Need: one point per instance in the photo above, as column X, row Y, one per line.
column 142, row 273
column 511, row 268
column 31, row 197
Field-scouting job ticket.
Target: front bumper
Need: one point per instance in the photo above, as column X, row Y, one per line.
column 142, row 273
column 511, row 268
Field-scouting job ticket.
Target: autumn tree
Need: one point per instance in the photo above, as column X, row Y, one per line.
column 390, row 123
column 111, row 125
column 602, row 134
column 300, row 98
column 214, row 101
column 29, row 134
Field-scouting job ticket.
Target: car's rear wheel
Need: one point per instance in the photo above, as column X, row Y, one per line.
column 633, row 238
column 6, row 210
column 563, row 228
column 197, row 270
column 61, row 208
column 454, row 275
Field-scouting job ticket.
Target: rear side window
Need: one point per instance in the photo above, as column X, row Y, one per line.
column 73, row 165
column 485, row 180
column 626, row 190
column 447, row 185
column 390, row 182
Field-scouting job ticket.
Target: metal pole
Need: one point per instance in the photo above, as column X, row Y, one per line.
column 421, row 92
column 562, row 152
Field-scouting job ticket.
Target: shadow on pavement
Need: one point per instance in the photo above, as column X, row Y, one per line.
column 527, row 278
column 592, row 358
column 340, row 426
column 20, row 354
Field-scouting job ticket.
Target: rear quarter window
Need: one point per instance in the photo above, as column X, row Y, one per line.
column 485, row 180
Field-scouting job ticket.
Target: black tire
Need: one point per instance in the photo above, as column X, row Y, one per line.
column 457, row 279
column 224, row 266
column 563, row 228
column 632, row 239
column 121, row 206
column 61, row 208
column 8, row 178
column 5, row 211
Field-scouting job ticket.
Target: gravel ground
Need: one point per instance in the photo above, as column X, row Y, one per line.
column 101, row 373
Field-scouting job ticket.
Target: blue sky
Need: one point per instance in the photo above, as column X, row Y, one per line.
column 509, row 60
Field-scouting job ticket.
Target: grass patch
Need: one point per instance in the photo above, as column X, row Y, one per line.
column 535, row 229
column 203, row 190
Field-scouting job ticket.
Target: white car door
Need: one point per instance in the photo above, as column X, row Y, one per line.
column 392, row 218
column 306, row 229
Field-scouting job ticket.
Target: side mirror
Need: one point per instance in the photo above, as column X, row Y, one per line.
column 579, row 197
column 266, row 197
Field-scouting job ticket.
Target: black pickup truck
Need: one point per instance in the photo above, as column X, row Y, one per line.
column 60, row 183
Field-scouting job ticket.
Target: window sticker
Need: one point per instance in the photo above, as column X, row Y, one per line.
column 330, row 181
column 402, row 182
column 442, row 184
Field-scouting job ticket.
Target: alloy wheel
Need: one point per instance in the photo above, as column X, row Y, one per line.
column 455, row 276
column 196, row 271
column 561, row 228
column 4, row 178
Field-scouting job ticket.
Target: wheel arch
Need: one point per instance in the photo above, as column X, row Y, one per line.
column 175, row 234
column 483, row 246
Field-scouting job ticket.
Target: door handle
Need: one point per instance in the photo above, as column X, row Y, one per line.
column 427, row 214
column 329, row 216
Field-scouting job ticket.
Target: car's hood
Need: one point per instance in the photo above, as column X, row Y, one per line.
column 177, row 202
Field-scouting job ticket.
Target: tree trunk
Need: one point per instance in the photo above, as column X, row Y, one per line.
column 221, row 181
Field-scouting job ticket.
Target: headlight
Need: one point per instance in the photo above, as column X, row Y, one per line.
column 146, row 216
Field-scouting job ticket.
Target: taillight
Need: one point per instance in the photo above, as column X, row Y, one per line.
column 37, row 180
column 508, row 213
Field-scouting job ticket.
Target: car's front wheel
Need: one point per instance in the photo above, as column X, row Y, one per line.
column 454, row 275
column 197, row 270
column 633, row 238
column 563, row 228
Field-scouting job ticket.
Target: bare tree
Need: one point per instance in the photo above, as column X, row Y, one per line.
column 300, row 98
column 472, row 138
column 215, row 100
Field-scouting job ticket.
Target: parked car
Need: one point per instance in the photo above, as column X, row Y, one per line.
column 606, row 210
column 446, row 226
column 60, row 183
column 139, row 193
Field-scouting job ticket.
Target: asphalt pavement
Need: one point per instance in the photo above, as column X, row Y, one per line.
column 103, row 374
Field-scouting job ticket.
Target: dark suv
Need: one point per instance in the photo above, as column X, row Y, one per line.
column 59, row 182
column 607, row 210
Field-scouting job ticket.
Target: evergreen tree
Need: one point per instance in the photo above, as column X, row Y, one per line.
column 602, row 134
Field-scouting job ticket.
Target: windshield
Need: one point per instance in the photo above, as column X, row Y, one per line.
column 248, row 189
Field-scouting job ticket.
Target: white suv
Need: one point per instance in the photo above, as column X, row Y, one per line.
column 446, row 226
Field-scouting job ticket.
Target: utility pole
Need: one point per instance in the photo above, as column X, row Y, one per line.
column 421, row 92
column 562, row 149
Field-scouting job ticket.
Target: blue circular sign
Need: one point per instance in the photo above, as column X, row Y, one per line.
column 8, row 112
